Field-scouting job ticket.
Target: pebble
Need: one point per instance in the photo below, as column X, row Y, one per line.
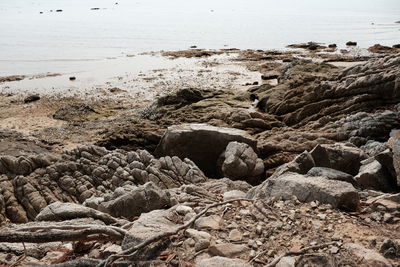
column 235, row 235
column 183, row 210
column 201, row 244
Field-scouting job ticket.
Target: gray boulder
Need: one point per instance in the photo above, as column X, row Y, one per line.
column 331, row 174
column 239, row 161
column 366, row 257
column 139, row 200
column 148, row 225
column 201, row 143
column 373, row 175
column 337, row 193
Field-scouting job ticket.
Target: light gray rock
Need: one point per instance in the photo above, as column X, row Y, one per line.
column 331, row 174
column 234, row 194
column 197, row 235
column 141, row 199
column 148, row 225
column 337, row 193
column 201, row 143
column 240, row 162
column 212, row 222
column 59, row 211
column 372, row 175
column 366, row 257
column 222, row 262
column 228, row 250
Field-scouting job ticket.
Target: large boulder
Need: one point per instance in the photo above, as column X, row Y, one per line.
column 240, row 162
column 136, row 201
column 148, row 225
column 337, row 193
column 201, row 143
column 373, row 175
column 343, row 157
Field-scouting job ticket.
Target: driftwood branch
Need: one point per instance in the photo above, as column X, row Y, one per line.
column 53, row 235
column 300, row 252
column 131, row 251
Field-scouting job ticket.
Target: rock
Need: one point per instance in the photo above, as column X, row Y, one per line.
column 183, row 210
column 148, row 225
column 197, row 235
column 344, row 157
column 213, row 222
column 72, row 78
column 240, row 162
column 235, row 235
column 300, row 164
column 395, row 144
column 350, row 43
column 390, row 249
column 390, row 202
column 234, row 194
column 365, row 256
column 372, row 175
column 201, row 244
column 67, row 211
column 74, row 112
column 374, row 148
column 286, row 262
column 201, row 143
column 332, row 46
column 222, row 262
column 140, row 200
column 331, row 174
column 336, row 193
column 228, row 250
column 270, row 75
column 32, row 98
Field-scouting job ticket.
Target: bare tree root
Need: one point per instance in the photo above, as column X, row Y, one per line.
column 94, row 233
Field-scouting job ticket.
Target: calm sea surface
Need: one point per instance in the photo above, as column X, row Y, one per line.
column 31, row 42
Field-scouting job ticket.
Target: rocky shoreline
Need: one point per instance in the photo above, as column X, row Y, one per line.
column 299, row 168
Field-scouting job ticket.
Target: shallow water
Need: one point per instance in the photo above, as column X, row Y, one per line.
column 71, row 40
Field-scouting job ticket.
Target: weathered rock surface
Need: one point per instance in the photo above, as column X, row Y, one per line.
column 201, row 143
column 331, row 174
column 367, row 257
column 85, row 172
column 337, row 193
column 240, row 162
column 67, row 211
column 134, row 201
column 372, row 175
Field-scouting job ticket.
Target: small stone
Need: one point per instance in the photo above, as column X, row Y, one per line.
column 321, row 216
column 235, row 235
column 387, row 217
column 32, row 98
column 228, row 250
column 259, row 229
column 72, row 78
column 183, row 210
column 314, row 204
column 201, row 244
column 213, row 222
column 197, row 235
column 189, row 216
column 244, row 212
column 189, row 243
column 334, row 250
